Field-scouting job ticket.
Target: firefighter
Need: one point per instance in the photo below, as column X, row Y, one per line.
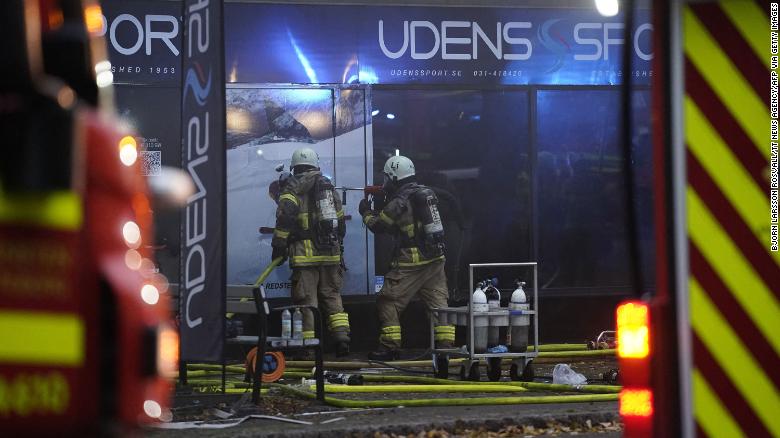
column 411, row 215
column 310, row 232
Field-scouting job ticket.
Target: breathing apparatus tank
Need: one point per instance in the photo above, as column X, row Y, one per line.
column 520, row 323
column 494, row 303
column 479, row 305
column 431, row 230
column 326, row 221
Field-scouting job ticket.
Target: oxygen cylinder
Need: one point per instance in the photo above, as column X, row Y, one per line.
column 327, row 220
column 520, row 323
column 426, row 211
column 494, row 303
column 479, row 304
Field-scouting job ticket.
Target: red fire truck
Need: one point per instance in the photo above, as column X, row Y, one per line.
column 702, row 356
column 84, row 325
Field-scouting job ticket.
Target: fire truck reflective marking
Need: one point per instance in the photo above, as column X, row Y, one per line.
column 58, row 210
column 736, row 273
column 710, row 413
column 28, row 394
column 731, row 178
column 730, row 86
column 725, row 124
column 744, row 58
column 743, row 15
column 41, row 338
column 735, row 358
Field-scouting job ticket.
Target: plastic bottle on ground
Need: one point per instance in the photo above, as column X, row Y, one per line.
column 286, row 324
column 297, row 324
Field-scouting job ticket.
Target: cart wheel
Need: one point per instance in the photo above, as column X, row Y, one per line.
column 516, row 371
column 442, row 366
column 469, row 372
column 494, row 369
column 528, row 373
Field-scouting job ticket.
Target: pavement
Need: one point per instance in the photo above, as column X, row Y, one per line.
column 561, row 419
column 518, row 420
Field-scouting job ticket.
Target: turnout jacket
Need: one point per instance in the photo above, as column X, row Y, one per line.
column 397, row 217
column 295, row 227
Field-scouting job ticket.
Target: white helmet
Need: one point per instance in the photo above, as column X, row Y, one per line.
column 304, row 157
column 398, row 167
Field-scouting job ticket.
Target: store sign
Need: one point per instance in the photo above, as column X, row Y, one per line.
column 202, row 278
column 395, row 45
column 143, row 39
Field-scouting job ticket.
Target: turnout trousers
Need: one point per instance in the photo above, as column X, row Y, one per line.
column 429, row 283
column 320, row 286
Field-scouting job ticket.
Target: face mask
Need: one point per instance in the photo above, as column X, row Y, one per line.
column 388, row 186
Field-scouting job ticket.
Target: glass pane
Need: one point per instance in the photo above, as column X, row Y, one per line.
column 473, row 146
column 264, row 127
column 583, row 238
column 351, row 172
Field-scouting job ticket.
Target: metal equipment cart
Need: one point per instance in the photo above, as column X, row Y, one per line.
column 521, row 368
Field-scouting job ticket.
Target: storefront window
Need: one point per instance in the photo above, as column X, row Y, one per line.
column 473, row 146
column 583, row 234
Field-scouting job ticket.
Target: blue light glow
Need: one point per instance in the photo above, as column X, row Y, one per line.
column 310, row 73
column 368, row 76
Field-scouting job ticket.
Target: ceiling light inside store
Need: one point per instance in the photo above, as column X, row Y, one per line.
column 390, row 116
column 607, row 8
column 374, row 113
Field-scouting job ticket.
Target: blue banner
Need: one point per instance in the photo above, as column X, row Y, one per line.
column 317, row 44
column 202, row 277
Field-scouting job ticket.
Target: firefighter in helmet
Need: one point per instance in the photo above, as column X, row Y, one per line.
column 310, row 232
column 411, row 214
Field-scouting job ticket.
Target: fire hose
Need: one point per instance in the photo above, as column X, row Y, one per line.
column 476, row 401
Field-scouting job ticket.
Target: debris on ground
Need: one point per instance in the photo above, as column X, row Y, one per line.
column 552, row 428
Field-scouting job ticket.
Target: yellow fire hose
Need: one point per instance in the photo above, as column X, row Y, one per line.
column 544, row 357
column 274, row 263
column 476, row 401
column 238, row 369
column 419, row 380
column 421, row 388
column 263, row 275
column 551, row 351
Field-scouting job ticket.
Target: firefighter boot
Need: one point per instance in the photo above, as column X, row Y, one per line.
column 342, row 349
column 340, row 343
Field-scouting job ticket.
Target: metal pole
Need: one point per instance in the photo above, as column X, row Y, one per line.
column 536, row 309
column 471, row 315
